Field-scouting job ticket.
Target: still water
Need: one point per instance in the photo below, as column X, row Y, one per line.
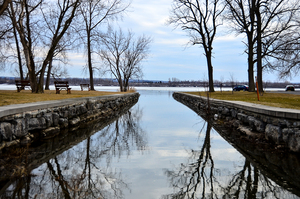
column 159, row 149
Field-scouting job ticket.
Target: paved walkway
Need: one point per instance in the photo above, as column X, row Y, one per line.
column 258, row 108
column 20, row 108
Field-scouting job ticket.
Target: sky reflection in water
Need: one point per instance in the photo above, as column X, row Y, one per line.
column 172, row 132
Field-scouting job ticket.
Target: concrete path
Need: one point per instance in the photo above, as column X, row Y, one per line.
column 20, row 108
column 258, row 108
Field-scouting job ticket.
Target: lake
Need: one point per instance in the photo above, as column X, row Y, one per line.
column 159, row 149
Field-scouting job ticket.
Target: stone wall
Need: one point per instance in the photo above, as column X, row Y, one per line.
column 280, row 126
column 25, row 126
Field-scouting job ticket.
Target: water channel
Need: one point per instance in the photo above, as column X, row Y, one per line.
column 159, row 149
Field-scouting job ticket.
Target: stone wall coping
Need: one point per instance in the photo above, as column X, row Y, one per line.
column 20, row 108
column 256, row 108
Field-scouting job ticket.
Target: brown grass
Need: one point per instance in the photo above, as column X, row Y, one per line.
column 8, row 97
column 282, row 100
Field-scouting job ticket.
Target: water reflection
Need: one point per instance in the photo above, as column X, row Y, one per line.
column 200, row 176
column 179, row 149
column 197, row 174
column 84, row 170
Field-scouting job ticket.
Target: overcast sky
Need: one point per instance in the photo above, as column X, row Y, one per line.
column 170, row 56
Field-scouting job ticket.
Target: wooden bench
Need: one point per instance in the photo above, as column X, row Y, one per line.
column 22, row 84
column 83, row 86
column 62, row 85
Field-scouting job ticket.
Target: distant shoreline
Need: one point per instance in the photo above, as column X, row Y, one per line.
column 147, row 88
column 104, row 82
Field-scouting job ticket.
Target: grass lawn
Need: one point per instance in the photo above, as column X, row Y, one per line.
column 271, row 99
column 8, row 97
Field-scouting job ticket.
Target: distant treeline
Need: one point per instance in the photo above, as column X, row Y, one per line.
column 151, row 83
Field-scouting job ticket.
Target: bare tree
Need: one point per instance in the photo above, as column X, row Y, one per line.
column 275, row 20
column 64, row 16
column 200, row 18
column 95, row 13
column 287, row 59
column 271, row 32
column 56, row 30
column 22, row 13
column 241, row 14
column 6, row 26
column 25, row 19
column 281, row 38
column 123, row 55
column 5, row 38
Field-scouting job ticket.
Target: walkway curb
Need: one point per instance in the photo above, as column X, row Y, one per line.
column 20, row 108
column 255, row 108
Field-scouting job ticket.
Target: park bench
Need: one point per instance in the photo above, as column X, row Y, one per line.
column 22, row 84
column 85, row 86
column 62, row 85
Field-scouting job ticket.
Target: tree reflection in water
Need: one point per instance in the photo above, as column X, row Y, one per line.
column 199, row 178
column 84, row 170
column 196, row 175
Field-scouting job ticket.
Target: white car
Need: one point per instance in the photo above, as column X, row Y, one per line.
column 290, row 88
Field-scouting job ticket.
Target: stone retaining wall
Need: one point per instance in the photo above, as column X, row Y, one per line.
column 25, row 126
column 281, row 126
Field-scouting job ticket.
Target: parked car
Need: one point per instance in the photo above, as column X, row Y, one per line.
column 290, row 88
column 241, row 88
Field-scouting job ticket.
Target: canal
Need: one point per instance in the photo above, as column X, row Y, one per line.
column 158, row 149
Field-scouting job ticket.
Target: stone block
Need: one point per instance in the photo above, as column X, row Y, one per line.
column 74, row 121
column 6, row 131
column 83, row 109
column 19, row 127
column 296, row 124
column 256, row 124
column 251, row 121
column 220, row 109
column 64, row 114
column 273, row 133
column 287, row 133
column 233, row 113
column 63, row 122
column 91, row 104
column 72, row 112
column 242, row 117
column 260, row 126
column 49, row 119
column 55, row 118
column 294, row 142
column 225, row 111
column 37, row 123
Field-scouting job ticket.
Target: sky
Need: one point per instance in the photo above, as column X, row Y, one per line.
column 170, row 56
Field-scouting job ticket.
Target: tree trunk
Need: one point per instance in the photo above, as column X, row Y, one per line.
column 19, row 54
column 259, row 49
column 90, row 61
column 40, row 85
column 210, row 72
column 32, row 78
column 251, row 67
column 126, row 85
column 31, row 70
column 121, row 84
column 250, row 48
column 46, row 62
column 48, row 75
